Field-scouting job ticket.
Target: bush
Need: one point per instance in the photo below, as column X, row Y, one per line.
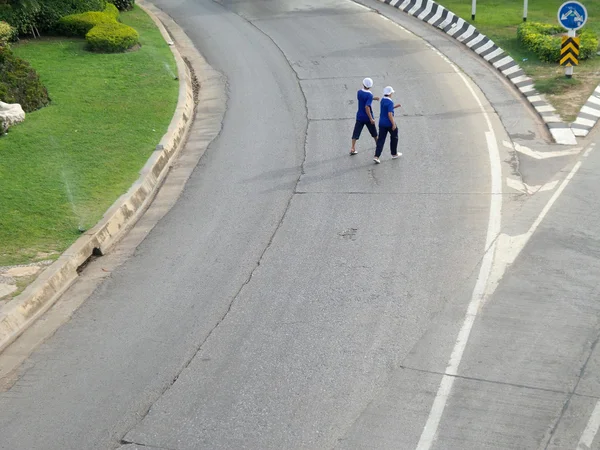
column 19, row 82
column 112, row 37
column 544, row 40
column 79, row 24
column 43, row 15
column 7, row 33
column 112, row 11
column 123, row 5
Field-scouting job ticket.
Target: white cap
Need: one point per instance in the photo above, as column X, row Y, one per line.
column 388, row 90
column 368, row 83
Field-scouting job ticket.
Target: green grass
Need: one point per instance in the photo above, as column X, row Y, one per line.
column 67, row 163
column 499, row 19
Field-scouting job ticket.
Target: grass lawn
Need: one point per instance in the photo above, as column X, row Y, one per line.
column 67, row 163
column 499, row 19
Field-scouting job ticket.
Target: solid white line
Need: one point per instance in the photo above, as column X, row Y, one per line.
column 494, row 224
column 493, row 231
column 587, row 438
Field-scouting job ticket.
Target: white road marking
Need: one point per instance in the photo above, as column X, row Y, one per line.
column 541, row 155
column 478, row 297
column 509, row 247
column 589, row 150
column 587, row 438
column 517, row 185
column 494, row 222
column 525, row 188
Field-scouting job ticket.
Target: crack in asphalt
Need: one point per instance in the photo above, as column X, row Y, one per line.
column 125, row 442
column 268, row 245
column 571, row 393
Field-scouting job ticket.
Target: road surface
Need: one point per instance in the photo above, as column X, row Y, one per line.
column 297, row 297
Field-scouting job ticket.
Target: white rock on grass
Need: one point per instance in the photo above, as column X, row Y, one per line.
column 10, row 114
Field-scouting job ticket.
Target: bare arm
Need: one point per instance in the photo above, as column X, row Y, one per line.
column 397, row 106
column 391, row 116
column 368, row 110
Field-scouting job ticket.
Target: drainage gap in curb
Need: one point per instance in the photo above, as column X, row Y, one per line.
column 96, row 253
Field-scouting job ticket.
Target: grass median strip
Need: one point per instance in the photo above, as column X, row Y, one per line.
column 63, row 167
column 499, row 20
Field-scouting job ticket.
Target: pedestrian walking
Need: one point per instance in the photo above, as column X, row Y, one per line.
column 364, row 116
column 387, row 124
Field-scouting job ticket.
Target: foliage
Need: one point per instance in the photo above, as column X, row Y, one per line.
column 123, row 5
column 7, row 33
column 79, row 24
column 101, row 29
column 112, row 37
column 545, row 40
column 33, row 16
column 112, row 11
column 106, row 117
column 20, row 83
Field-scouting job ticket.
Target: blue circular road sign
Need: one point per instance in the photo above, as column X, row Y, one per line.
column 572, row 15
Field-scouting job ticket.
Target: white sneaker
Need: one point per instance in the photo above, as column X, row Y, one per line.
column 396, row 156
column 376, row 159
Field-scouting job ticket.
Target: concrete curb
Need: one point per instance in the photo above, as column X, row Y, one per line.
column 23, row 310
column 438, row 16
column 588, row 116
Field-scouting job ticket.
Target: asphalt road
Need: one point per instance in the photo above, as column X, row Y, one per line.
column 297, row 297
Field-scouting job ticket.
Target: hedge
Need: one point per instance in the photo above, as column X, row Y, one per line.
column 112, row 37
column 123, row 5
column 33, row 17
column 7, row 33
column 79, row 24
column 20, row 83
column 544, row 40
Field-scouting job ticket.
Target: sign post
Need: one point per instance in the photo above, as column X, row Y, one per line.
column 572, row 15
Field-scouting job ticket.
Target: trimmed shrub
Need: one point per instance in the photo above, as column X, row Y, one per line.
column 112, row 37
column 7, row 33
column 123, row 5
column 79, row 24
column 43, row 15
column 544, row 40
column 20, row 83
column 112, row 11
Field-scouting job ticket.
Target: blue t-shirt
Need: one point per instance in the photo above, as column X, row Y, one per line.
column 365, row 98
column 387, row 105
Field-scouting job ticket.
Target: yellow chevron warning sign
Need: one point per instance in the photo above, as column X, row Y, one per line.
column 569, row 51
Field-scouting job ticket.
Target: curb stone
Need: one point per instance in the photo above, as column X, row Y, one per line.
column 439, row 17
column 588, row 116
column 23, row 310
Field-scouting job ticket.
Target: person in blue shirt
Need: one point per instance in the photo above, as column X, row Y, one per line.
column 387, row 124
column 364, row 116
